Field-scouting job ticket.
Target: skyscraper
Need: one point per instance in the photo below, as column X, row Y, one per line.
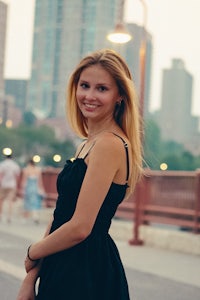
column 175, row 119
column 17, row 88
column 64, row 31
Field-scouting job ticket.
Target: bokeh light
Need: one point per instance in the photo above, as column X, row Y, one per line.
column 7, row 151
column 163, row 166
column 57, row 158
column 36, row 158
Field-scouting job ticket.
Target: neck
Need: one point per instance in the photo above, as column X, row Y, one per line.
column 94, row 132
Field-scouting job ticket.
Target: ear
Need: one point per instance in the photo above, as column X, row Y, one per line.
column 119, row 101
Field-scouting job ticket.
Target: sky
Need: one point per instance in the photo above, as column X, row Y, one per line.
column 173, row 24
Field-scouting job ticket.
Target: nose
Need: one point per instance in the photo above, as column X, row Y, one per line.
column 90, row 95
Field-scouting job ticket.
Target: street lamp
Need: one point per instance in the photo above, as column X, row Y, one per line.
column 120, row 34
column 142, row 57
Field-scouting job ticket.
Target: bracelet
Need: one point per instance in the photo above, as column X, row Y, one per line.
column 34, row 260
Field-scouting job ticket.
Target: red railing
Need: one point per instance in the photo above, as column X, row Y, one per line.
column 162, row 197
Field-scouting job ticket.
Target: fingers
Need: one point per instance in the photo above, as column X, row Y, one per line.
column 30, row 264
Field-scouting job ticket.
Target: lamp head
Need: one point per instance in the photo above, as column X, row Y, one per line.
column 120, row 35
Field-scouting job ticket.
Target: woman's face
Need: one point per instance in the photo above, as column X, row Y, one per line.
column 97, row 93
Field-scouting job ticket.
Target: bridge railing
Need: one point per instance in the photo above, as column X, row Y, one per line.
column 162, row 197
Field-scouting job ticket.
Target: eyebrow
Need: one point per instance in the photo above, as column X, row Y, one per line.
column 98, row 84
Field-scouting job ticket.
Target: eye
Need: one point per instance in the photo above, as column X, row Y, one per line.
column 102, row 88
column 84, row 85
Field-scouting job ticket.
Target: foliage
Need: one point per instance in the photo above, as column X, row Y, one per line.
column 157, row 151
column 26, row 141
column 29, row 118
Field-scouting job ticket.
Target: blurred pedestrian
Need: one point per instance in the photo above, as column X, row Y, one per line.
column 77, row 258
column 9, row 176
column 33, row 191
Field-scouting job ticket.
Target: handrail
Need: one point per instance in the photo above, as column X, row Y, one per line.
column 162, row 197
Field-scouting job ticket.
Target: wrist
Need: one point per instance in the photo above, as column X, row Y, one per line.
column 30, row 257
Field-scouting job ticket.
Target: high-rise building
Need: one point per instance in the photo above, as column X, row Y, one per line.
column 17, row 88
column 64, row 31
column 175, row 119
column 3, row 20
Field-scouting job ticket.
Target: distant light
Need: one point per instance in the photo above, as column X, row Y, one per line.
column 9, row 123
column 120, row 35
column 57, row 158
column 163, row 166
column 36, row 158
column 7, row 151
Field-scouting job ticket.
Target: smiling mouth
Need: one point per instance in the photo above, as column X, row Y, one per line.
column 88, row 105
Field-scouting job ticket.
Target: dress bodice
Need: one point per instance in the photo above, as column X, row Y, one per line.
column 68, row 186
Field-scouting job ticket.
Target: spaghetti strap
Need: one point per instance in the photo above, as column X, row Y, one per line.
column 127, row 157
column 87, row 152
column 81, row 149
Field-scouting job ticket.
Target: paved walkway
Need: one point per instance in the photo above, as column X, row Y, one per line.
column 181, row 268
column 174, row 265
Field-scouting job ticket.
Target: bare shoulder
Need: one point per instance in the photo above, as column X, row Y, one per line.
column 110, row 145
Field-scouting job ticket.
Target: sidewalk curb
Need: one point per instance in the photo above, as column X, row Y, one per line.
column 167, row 239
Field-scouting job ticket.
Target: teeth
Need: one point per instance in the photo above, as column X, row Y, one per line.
column 90, row 105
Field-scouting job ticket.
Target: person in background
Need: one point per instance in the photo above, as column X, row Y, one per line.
column 9, row 177
column 33, row 191
column 77, row 258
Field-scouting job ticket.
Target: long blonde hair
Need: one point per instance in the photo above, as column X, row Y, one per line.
column 126, row 115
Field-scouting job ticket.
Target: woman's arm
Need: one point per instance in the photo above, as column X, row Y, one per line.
column 27, row 289
column 29, row 264
column 104, row 162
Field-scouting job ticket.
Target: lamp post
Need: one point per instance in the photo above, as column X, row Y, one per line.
column 142, row 57
column 143, row 47
column 120, row 35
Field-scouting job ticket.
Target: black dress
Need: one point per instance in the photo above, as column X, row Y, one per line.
column 91, row 270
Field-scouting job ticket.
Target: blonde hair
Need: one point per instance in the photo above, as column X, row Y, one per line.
column 126, row 115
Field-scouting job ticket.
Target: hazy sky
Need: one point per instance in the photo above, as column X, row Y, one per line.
column 173, row 24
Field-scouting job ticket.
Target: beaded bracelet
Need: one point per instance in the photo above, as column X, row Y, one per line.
column 34, row 260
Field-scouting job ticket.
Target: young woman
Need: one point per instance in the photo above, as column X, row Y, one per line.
column 77, row 258
column 32, row 190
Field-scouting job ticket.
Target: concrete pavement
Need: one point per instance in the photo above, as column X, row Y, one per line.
column 151, row 259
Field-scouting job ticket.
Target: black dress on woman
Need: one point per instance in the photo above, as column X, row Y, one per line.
column 92, row 269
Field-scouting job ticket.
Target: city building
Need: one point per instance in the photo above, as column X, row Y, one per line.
column 64, row 31
column 17, row 88
column 175, row 119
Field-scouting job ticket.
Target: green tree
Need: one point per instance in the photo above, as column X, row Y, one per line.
column 152, row 144
column 29, row 118
column 27, row 141
column 157, row 151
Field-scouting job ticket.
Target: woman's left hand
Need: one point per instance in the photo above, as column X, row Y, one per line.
column 29, row 264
